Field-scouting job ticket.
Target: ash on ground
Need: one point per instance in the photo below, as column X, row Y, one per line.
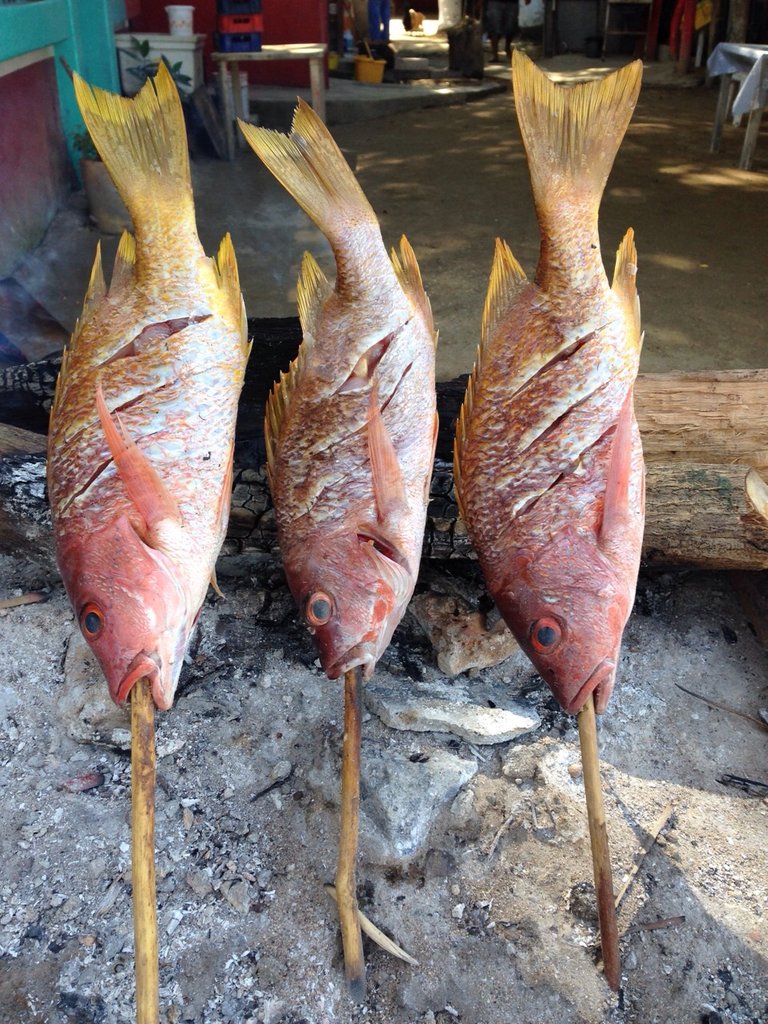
column 474, row 847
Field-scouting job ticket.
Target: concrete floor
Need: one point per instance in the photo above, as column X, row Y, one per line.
column 453, row 177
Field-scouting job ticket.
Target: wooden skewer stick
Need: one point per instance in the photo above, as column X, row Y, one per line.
column 598, row 837
column 346, row 883
column 143, row 852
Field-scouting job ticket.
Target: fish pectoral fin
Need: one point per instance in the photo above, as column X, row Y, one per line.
column 146, row 490
column 391, row 559
column 388, row 485
column 372, row 533
column 616, row 500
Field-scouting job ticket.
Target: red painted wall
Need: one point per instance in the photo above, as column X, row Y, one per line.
column 300, row 21
column 35, row 174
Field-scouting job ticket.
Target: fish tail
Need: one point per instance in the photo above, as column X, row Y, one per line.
column 572, row 133
column 310, row 165
column 143, row 142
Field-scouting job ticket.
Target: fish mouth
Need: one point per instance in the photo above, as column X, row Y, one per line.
column 600, row 683
column 146, row 666
column 354, row 658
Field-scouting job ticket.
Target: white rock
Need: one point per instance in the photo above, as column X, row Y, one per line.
column 460, row 635
column 86, row 709
column 451, row 709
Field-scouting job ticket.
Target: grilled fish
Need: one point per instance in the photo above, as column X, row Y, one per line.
column 351, row 427
column 548, row 459
column 143, row 419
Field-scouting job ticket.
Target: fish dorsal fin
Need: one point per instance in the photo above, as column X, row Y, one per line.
column 225, row 496
column 227, row 273
column 616, row 500
column 228, row 278
column 506, row 280
column 625, row 285
column 278, row 403
column 58, row 391
column 406, row 268
column 313, row 290
column 146, row 490
column 460, row 437
column 215, row 584
column 388, row 485
column 97, row 287
column 124, row 266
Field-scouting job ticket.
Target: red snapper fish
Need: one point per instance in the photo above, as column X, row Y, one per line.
column 142, row 425
column 351, row 427
column 548, row 460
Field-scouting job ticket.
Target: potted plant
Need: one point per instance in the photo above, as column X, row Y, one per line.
column 141, row 59
column 105, row 207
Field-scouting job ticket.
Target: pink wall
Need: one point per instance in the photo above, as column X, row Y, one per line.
column 34, row 170
column 300, row 21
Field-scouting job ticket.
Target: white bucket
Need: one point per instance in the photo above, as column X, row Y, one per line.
column 180, row 20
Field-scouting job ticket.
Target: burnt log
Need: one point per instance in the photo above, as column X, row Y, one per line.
column 703, row 436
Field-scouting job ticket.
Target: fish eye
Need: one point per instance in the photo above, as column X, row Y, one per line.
column 319, row 608
column 92, row 621
column 545, row 635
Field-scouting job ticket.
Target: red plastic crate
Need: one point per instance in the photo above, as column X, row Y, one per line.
column 240, row 23
column 239, row 42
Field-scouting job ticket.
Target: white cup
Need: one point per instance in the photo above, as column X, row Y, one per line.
column 180, row 19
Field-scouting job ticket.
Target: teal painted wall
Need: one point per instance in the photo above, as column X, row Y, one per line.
column 80, row 32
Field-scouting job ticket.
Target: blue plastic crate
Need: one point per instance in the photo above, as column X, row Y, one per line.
column 239, row 6
column 239, row 42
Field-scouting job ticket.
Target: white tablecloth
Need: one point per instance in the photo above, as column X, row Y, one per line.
column 749, row 60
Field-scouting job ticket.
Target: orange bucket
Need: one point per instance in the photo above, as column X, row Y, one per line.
column 369, row 70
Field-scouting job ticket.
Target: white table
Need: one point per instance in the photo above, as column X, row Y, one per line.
column 312, row 52
column 743, row 71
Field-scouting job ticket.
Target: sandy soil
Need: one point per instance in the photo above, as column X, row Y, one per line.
column 453, row 179
column 494, row 902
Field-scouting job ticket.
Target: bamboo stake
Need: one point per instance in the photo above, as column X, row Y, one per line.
column 346, row 884
column 143, row 852
column 598, row 837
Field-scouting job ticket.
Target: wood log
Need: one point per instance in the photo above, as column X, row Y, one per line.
column 703, row 436
column 707, row 417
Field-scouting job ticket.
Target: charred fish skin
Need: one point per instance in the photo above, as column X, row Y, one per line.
column 548, row 459
column 351, row 426
column 142, row 423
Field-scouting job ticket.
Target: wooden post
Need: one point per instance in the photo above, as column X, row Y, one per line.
column 143, row 852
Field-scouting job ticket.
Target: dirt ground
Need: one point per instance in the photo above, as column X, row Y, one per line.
column 454, row 179
column 474, row 857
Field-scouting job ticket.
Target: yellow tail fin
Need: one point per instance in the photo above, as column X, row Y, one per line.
column 143, row 142
column 310, row 165
column 572, row 133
